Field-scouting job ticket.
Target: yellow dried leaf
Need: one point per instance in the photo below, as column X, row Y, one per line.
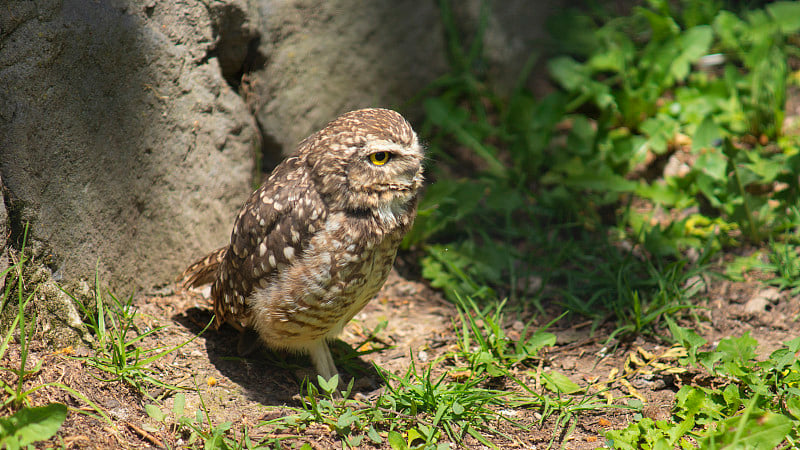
column 365, row 347
column 635, row 359
column 660, row 366
column 675, row 352
column 645, row 354
column 461, row 375
column 632, row 390
column 68, row 350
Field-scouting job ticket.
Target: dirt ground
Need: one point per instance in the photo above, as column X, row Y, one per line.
column 246, row 391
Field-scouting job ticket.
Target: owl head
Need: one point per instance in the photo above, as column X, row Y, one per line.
column 368, row 160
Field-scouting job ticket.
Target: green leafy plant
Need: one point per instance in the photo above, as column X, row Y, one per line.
column 486, row 347
column 28, row 424
column 199, row 428
column 31, row 424
column 780, row 260
column 456, row 408
column 757, row 408
column 646, row 95
column 416, row 410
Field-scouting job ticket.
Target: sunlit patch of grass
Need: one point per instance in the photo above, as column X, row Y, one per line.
column 29, row 424
column 118, row 350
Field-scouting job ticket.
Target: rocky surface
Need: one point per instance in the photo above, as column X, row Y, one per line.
column 122, row 144
column 329, row 57
column 128, row 128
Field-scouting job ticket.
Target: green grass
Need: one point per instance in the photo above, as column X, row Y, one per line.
column 27, row 424
column 562, row 211
column 117, row 348
column 756, row 405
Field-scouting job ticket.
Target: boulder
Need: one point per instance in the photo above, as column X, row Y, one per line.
column 121, row 143
column 129, row 129
column 328, row 57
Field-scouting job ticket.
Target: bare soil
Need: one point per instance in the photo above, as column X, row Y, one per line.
column 247, row 391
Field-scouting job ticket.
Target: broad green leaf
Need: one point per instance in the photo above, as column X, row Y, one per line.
column 663, row 26
column 328, row 385
column 558, row 382
column 531, row 346
column 180, row 402
column 766, row 431
column 706, row 134
column 793, row 405
column 346, row 419
column 728, row 28
column 29, row 425
column 732, row 397
column 354, row 440
column 687, row 338
column 786, row 14
column 694, row 42
column 570, row 74
column 396, row 441
column 764, row 170
column 660, row 131
column 154, row 412
column 713, row 163
column 661, row 193
column 793, row 345
column 414, row 435
column 373, row 435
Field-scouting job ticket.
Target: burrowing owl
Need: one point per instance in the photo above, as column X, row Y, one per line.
column 316, row 241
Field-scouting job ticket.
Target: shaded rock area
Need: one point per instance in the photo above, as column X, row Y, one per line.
column 4, row 232
column 329, row 57
column 122, row 144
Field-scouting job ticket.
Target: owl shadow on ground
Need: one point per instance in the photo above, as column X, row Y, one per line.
column 269, row 377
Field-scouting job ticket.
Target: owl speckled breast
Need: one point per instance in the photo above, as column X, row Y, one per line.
column 316, row 298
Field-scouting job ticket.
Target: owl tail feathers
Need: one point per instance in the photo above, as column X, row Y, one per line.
column 203, row 271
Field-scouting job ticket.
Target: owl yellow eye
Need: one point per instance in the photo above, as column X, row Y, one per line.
column 380, row 158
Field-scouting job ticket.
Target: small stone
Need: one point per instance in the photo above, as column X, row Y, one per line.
column 758, row 302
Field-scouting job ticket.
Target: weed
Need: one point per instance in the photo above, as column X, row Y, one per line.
column 199, row 428
column 572, row 203
column 758, row 407
column 780, row 261
column 119, row 354
column 457, row 408
column 29, row 424
column 484, row 344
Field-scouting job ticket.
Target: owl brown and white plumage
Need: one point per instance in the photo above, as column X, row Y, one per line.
column 316, row 241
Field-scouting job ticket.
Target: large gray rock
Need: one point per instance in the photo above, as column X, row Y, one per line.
column 125, row 144
column 120, row 142
column 4, row 232
column 325, row 57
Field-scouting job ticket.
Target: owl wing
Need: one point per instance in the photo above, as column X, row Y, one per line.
column 272, row 229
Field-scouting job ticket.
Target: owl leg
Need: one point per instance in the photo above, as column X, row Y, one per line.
column 249, row 342
column 322, row 359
